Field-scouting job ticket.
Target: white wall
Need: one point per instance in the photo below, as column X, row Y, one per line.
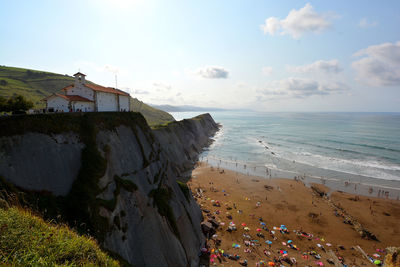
column 123, row 103
column 84, row 106
column 81, row 90
column 57, row 103
column 106, row 101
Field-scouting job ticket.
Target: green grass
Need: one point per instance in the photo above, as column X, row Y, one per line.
column 27, row 240
column 36, row 85
column 152, row 115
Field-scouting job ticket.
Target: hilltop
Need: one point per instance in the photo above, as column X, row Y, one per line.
column 36, row 85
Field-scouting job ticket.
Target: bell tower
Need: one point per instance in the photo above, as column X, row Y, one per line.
column 79, row 78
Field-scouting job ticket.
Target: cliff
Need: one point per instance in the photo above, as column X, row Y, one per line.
column 110, row 175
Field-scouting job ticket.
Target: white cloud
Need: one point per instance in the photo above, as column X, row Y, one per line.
column 111, row 68
column 299, row 88
column 379, row 65
column 364, row 23
column 140, row 92
column 327, row 66
column 298, row 22
column 213, row 72
column 88, row 66
column 162, row 86
column 272, row 25
column 266, row 71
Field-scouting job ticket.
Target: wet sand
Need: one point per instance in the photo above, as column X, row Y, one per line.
column 294, row 205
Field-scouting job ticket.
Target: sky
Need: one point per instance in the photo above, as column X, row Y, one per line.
column 240, row 54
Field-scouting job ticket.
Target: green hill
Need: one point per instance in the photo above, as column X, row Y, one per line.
column 152, row 115
column 36, row 85
column 27, row 240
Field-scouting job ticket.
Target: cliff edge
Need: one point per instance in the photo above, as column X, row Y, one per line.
column 110, row 175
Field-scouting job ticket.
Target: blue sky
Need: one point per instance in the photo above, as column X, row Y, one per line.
column 259, row 54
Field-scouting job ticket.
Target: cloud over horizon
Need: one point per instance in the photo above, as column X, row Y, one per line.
column 300, row 88
column 379, row 65
column 213, row 72
column 364, row 23
column 298, row 22
column 267, row 71
column 327, row 66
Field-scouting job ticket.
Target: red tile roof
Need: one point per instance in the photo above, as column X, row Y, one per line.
column 71, row 98
column 106, row 89
column 99, row 88
column 68, row 87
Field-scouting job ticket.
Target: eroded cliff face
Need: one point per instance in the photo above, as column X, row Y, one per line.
column 146, row 216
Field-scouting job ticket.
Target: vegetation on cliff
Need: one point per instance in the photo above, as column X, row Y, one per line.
column 27, row 240
column 152, row 115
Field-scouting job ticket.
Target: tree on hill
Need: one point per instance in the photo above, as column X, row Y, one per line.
column 15, row 103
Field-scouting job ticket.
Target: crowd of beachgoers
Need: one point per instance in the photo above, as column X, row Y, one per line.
column 249, row 221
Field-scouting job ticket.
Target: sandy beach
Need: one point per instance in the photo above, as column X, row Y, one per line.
column 313, row 225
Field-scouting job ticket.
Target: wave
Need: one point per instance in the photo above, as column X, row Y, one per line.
column 361, row 163
column 362, row 145
column 355, row 152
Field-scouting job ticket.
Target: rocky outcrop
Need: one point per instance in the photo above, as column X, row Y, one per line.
column 183, row 141
column 41, row 162
column 116, row 176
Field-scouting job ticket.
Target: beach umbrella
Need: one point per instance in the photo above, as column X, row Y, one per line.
column 258, row 230
column 268, row 242
column 284, row 243
column 271, row 263
column 290, row 241
column 243, row 224
column 262, row 223
column 377, row 262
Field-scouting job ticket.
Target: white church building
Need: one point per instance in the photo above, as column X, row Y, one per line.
column 87, row 97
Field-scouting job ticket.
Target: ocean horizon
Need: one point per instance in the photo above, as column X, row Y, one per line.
column 351, row 147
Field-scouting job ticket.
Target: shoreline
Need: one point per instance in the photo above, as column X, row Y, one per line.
column 386, row 191
column 252, row 200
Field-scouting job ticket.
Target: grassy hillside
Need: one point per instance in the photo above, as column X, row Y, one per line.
column 36, row 85
column 33, row 84
column 27, row 240
column 152, row 115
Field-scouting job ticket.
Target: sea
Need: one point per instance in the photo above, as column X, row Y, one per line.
column 352, row 152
